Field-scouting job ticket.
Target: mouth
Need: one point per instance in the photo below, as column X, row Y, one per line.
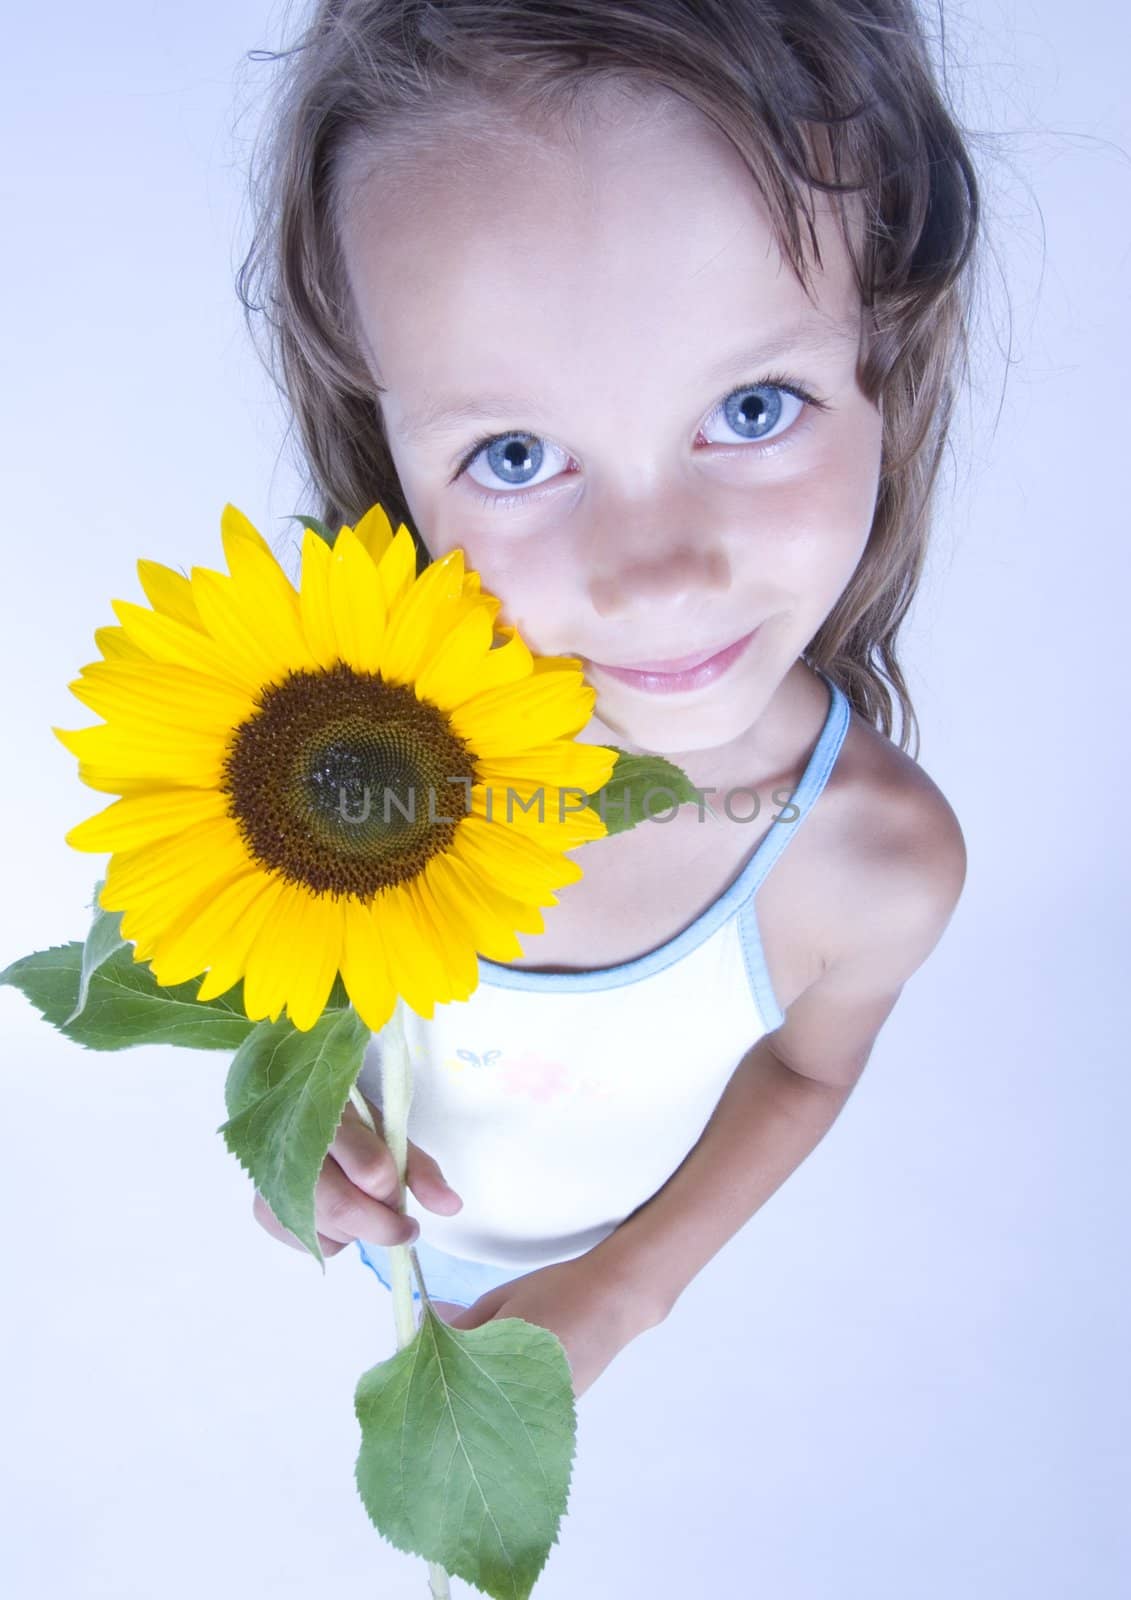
column 676, row 677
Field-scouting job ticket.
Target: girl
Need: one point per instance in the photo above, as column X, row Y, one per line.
column 656, row 310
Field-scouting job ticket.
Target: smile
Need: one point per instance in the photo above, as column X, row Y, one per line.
column 653, row 681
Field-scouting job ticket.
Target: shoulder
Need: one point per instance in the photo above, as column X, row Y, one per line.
column 897, row 855
column 892, row 865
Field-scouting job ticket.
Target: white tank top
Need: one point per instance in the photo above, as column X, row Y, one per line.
column 558, row 1103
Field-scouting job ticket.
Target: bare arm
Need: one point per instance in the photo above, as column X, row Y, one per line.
column 789, row 1089
column 767, row 1121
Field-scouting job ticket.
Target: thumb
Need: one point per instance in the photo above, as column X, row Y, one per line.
column 466, row 1318
column 481, row 1311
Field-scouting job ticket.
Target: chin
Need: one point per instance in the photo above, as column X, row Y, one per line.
column 668, row 731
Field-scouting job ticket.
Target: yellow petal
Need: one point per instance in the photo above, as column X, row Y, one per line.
column 397, row 569
column 169, row 592
column 201, row 933
column 488, row 919
column 450, row 939
column 314, row 600
column 315, row 958
column 266, row 594
column 422, row 618
column 544, row 706
column 149, row 752
column 165, row 639
column 120, row 690
column 364, row 966
column 140, row 819
column 443, row 678
column 374, row 531
column 550, row 816
column 153, row 883
column 506, row 663
column 110, row 780
column 294, row 958
column 512, row 862
column 235, row 527
column 414, row 962
column 245, row 630
column 561, row 763
column 227, row 964
column 357, row 604
column 277, row 947
column 444, row 621
column 557, row 664
column 116, row 646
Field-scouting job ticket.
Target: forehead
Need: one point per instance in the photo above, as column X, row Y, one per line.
column 634, row 227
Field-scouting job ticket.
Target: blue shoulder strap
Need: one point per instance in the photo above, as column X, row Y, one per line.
column 811, row 783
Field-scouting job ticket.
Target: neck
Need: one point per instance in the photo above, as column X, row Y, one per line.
column 774, row 745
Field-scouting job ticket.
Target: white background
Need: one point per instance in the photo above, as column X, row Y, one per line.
column 906, row 1378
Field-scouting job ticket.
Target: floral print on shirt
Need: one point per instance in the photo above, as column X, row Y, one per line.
column 529, row 1074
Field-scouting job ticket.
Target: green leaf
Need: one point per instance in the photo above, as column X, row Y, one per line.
column 317, row 527
column 641, row 788
column 467, row 1444
column 104, row 938
column 286, row 1092
column 339, row 996
column 125, row 1005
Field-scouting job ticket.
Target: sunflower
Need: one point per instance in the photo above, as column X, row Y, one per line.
column 315, row 781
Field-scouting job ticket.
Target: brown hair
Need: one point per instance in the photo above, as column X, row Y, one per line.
column 831, row 95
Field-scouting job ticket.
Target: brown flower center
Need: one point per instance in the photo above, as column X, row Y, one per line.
column 340, row 781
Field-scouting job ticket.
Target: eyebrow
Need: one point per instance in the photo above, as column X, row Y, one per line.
column 435, row 416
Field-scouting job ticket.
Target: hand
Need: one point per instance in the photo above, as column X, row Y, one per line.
column 356, row 1193
column 593, row 1318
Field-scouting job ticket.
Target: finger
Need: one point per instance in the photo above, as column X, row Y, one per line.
column 270, row 1223
column 424, row 1177
column 346, row 1212
column 368, row 1162
column 343, row 1213
column 329, row 1247
column 364, row 1156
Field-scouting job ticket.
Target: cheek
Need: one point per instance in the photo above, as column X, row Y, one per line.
column 509, row 568
column 818, row 524
column 857, row 462
column 836, row 505
column 531, row 586
column 533, row 596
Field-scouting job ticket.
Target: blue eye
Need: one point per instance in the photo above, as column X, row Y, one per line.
column 511, row 457
column 753, row 413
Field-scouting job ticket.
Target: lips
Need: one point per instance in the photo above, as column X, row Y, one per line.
column 705, row 670
column 679, row 664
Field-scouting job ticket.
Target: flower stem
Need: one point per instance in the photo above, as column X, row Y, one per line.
column 396, row 1097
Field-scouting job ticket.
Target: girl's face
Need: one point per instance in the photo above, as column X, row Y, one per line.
column 614, row 315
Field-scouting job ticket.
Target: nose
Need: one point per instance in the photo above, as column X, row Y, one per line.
column 649, row 568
